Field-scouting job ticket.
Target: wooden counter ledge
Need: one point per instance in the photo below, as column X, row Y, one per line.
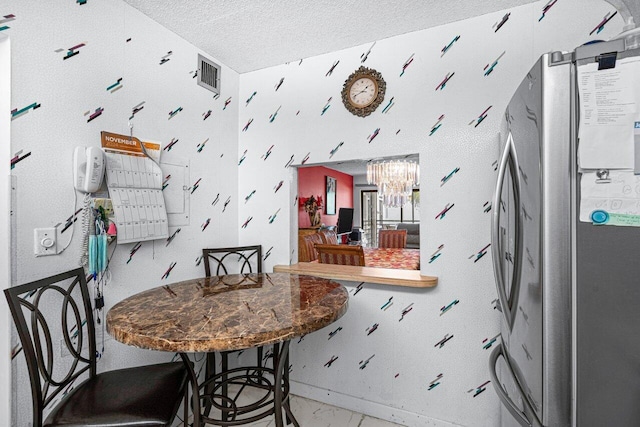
column 383, row 276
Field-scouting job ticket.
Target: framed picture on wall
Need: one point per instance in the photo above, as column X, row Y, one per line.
column 330, row 196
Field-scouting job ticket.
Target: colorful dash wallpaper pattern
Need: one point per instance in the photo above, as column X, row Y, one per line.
column 417, row 357
column 414, row 356
column 80, row 68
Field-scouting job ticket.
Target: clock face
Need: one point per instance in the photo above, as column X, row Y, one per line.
column 363, row 92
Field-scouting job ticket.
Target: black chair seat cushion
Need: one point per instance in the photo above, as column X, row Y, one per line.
column 125, row 397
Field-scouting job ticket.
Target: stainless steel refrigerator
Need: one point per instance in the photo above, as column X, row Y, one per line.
column 568, row 291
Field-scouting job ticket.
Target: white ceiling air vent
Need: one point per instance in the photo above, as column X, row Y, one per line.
column 208, row 74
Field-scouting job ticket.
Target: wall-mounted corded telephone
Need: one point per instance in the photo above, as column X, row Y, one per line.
column 88, row 172
column 88, row 168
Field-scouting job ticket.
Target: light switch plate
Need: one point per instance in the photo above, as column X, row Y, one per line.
column 45, row 241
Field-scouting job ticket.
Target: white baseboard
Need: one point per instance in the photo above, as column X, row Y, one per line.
column 372, row 409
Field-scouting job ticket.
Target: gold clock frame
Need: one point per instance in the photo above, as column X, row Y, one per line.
column 381, row 87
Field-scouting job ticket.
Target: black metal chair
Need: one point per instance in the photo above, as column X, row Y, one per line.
column 54, row 315
column 232, row 260
column 235, row 260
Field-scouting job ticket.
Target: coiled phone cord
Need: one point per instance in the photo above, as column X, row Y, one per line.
column 86, row 223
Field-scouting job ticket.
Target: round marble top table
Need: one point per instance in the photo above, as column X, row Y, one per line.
column 231, row 312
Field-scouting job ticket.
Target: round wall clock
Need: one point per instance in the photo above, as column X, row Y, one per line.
column 363, row 91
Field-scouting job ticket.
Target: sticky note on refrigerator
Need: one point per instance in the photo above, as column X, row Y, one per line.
column 621, row 195
column 601, row 217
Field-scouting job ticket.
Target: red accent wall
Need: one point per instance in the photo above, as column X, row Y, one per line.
column 311, row 181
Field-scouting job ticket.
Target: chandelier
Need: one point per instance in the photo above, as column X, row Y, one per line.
column 395, row 180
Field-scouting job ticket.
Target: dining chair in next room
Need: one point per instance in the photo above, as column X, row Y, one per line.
column 392, row 238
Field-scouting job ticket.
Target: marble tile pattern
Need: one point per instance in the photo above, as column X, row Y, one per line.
column 229, row 312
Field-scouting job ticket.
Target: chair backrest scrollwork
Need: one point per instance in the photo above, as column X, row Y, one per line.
column 233, row 260
column 53, row 316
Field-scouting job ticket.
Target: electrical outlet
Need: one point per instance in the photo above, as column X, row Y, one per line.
column 45, row 241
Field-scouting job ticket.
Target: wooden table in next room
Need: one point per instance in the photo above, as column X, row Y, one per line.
column 398, row 258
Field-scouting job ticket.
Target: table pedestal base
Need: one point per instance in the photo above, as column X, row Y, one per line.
column 222, row 400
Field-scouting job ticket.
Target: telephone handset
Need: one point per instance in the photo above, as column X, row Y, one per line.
column 88, row 169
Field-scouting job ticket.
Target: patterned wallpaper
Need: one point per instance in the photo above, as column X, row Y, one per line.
column 418, row 357
column 80, row 68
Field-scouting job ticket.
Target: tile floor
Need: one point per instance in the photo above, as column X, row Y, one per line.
column 311, row 413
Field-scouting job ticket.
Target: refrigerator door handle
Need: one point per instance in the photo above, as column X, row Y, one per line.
column 508, row 303
column 514, row 166
column 496, row 250
column 520, row 417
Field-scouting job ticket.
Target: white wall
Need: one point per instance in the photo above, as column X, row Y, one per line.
column 120, row 42
column 5, row 233
column 405, row 355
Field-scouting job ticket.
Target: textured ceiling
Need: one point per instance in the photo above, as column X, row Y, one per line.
column 248, row 35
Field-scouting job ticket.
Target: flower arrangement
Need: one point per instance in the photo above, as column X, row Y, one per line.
column 313, row 206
